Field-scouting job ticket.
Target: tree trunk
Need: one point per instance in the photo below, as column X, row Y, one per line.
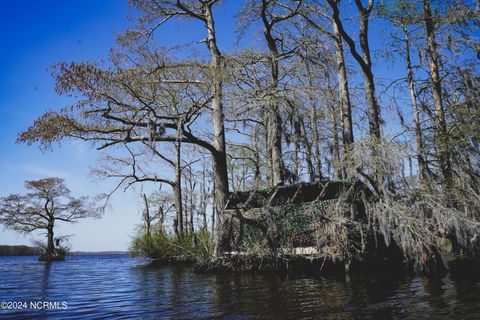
column 50, row 250
column 214, row 210
column 337, row 166
column 364, row 60
column 233, row 186
column 186, row 208
column 422, row 165
column 442, row 142
column 177, row 187
column 308, row 153
column 220, row 155
column 256, row 159
column 146, row 217
column 344, row 97
column 191, row 200
column 221, row 197
column 277, row 154
column 275, row 118
column 178, row 222
column 297, row 128
column 313, row 124
column 369, row 83
column 268, row 148
column 204, row 197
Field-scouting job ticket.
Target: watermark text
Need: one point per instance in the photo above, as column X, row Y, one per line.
column 33, row 305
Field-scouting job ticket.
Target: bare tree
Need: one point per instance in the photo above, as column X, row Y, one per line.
column 315, row 14
column 269, row 19
column 441, row 124
column 405, row 15
column 156, row 14
column 364, row 60
column 155, row 210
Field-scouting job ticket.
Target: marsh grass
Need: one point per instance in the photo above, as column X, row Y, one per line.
column 161, row 245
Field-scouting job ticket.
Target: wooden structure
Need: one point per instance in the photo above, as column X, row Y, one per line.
column 267, row 211
column 292, row 194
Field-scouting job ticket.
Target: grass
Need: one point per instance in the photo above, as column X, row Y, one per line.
column 161, row 245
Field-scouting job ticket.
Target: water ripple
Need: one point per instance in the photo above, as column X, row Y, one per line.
column 119, row 287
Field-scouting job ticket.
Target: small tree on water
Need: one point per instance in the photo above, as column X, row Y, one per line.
column 47, row 201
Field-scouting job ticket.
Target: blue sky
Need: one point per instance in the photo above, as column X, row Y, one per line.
column 35, row 35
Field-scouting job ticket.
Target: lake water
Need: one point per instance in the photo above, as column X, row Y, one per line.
column 119, row 287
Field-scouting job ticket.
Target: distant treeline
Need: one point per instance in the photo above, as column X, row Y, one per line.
column 89, row 253
column 20, row 251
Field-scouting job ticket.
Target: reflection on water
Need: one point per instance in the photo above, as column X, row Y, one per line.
column 47, row 267
column 115, row 286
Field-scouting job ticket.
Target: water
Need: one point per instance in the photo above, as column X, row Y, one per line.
column 119, row 287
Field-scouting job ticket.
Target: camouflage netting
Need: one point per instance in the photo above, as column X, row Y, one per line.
column 306, row 218
column 344, row 221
